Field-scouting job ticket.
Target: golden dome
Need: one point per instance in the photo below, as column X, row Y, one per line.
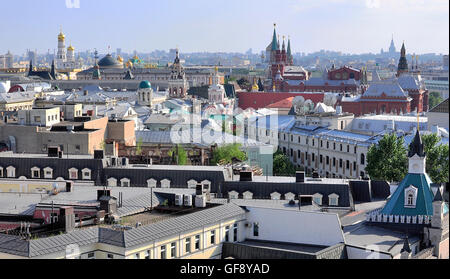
column 70, row 48
column 129, row 64
column 136, row 57
column 61, row 36
column 119, row 58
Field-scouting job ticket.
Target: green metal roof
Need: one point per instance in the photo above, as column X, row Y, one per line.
column 145, row 84
column 424, row 202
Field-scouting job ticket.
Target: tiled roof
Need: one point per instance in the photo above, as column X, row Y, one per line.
column 286, row 103
column 391, row 89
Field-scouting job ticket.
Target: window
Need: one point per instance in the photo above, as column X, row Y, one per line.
column 355, row 149
column 91, row 255
column 233, row 195
column 192, row 184
column 197, row 242
column 320, row 159
column 48, row 173
column 328, row 144
column 327, row 160
column 173, row 250
column 354, row 165
column 255, row 229
column 110, row 256
column 410, row 197
column 333, row 200
column 151, row 183
column 73, row 173
column 35, row 172
column 112, row 182
column 340, row 163
column 86, row 173
column 125, row 182
column 1, row 172
column 227, row 234
column 317, row 198
column 147, row 255
column 341, row 146
column 235, row 232
column 334, row 145
column 187, row 244
column 363, row 159
column 348, row 148
column 165, row 183
column 77, row 147
column 213, row 237
column 347, row 164
column 163, row 252
column 334, row 161
column 275, row 196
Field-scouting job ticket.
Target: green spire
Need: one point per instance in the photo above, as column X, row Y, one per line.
column 274, row 40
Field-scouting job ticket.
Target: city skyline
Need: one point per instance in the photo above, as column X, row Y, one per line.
column 146, row 26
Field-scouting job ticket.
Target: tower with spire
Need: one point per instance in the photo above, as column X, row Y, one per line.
column 177, row 83
column 61, row 55
column 403, row 62
column 392, row 49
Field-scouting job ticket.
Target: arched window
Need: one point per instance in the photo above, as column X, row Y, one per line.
column 151, row 183
column 410, row 199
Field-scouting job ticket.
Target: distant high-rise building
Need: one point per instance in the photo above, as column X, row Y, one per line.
column 445, row 61
column 32, row 56
column 119, row 52
column 7, row 60
column 392, row 49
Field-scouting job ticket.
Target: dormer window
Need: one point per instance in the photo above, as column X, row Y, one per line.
column 112, row 182
column 275, row 196
column 125, row 182
column 86, row 173
column 10, row 171
column 317, row 198
column 247, row 195
column 165, row 183
column 151, row 183
column 233, row 195
column 192, row 184
column 48, row 173
column 333, row 200
column 73, row 173
column 35, row 172
column 410, row 197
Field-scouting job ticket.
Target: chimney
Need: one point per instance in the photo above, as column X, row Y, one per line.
column 300, row 177
column 85, row 92
column 69, row 186
column 246, row 176
column 67, row 218
column 104, row 192
column 99, row 154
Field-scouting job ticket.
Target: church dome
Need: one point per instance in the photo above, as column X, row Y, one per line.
column 145, row 84
column 109, row 62
column 61, row 36
column 70, row 48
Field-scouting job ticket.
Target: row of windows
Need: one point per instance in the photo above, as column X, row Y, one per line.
column 47, row 173
column 190, row 244
column 327, row 161
column 333, row 199
column 152, row 183
column 313, row 143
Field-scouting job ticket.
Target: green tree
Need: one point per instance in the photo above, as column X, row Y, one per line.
column 179, row 154
column 388, row 159
column 139, row 147
column 282, row 166
column 226, row 153
column 434, row 99
column 437, row 162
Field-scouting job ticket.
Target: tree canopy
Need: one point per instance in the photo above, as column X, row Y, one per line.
column 282, row 166
column 434, row 99
column 388, row 159
column 437, row 162
column 179, row 155
column 226, row 153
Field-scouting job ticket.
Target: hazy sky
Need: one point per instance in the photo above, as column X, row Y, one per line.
column 351, row 26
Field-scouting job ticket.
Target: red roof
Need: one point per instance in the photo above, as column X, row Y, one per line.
column 264, row 99
column 286, row 103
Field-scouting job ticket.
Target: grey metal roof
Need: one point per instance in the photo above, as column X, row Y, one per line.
column 182, row 224
column 130, row 238
column 262, row 190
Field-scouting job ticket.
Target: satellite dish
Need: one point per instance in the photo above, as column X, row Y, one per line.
column 298, row 103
